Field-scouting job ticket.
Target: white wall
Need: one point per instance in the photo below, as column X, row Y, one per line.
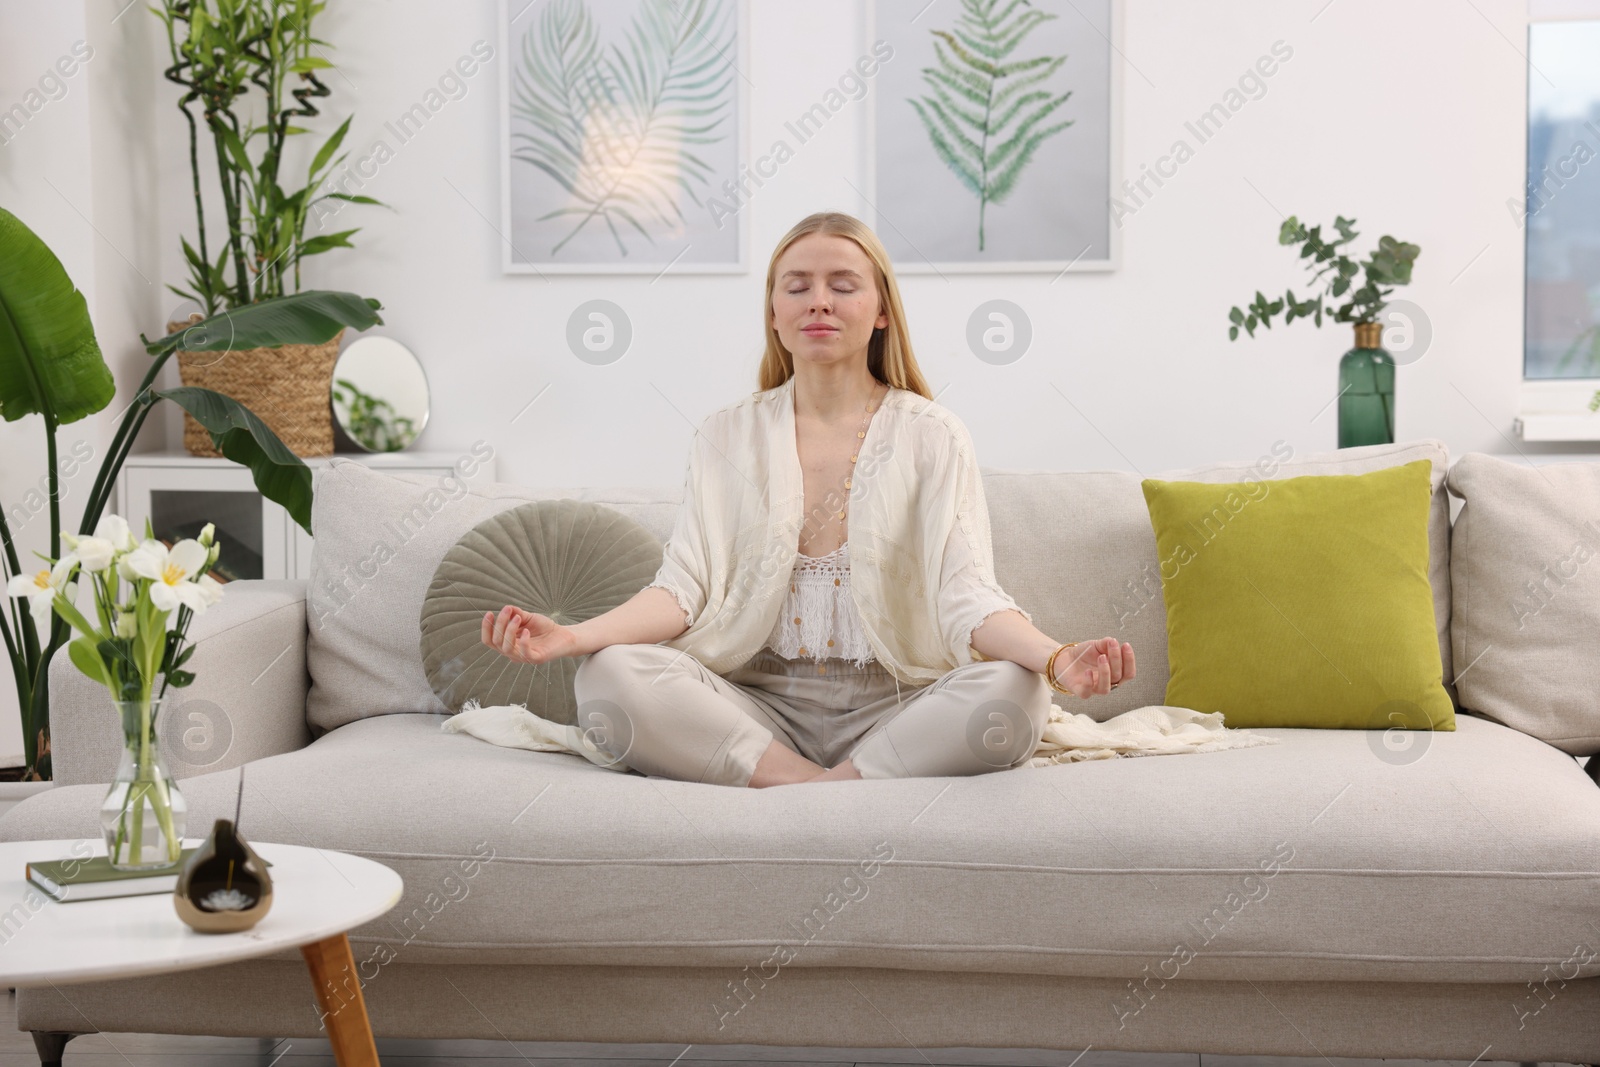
column 1408, row 117
column 1356, row 123
column 78, row 172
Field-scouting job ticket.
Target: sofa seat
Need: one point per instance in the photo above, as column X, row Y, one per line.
column 1325, row 857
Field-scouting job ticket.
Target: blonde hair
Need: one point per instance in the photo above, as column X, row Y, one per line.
column 889, row 356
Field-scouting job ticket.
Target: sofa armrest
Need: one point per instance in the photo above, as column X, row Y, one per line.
column 248, row 699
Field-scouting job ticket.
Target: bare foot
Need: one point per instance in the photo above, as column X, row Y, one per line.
column 781, row 765
column 843, row 772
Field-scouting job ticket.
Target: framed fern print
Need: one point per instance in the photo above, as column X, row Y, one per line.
column 623, row 125
column 993, row 141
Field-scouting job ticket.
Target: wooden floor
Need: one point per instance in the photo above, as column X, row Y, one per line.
column 159, row 1050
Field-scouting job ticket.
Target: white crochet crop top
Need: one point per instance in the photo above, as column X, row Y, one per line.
column 819, row 620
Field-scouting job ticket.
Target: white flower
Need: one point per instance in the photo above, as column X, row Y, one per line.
column 123, row 566
column 170, row 571
column 210, row 587
column 208, row 538
column 114, row 528
column 95, row 553
column 111, row 537
column 42, row 586
column 127, row 624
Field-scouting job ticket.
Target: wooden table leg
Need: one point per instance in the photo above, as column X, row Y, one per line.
column 344, row 1011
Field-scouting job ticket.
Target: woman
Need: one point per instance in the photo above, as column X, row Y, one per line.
column 777, row 644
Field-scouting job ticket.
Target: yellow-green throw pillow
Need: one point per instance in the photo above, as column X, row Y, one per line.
column 1302, row 601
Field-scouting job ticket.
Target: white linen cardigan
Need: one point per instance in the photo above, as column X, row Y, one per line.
column 922, row 560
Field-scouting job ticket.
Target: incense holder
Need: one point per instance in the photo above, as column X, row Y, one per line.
column 224, row 887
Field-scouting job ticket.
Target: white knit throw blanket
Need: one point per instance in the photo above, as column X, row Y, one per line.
column 1153, row 730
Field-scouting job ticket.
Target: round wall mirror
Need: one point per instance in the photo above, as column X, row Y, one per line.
column 380, row 394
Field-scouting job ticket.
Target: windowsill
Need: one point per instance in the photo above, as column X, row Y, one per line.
column 1557, row 410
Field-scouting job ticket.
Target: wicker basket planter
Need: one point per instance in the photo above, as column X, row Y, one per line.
column 289, row 387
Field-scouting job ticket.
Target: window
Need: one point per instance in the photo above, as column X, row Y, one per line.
column 1562, row 226
column 1560, row 218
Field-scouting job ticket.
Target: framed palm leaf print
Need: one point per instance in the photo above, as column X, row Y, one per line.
column 994, row 134
column 622, row 135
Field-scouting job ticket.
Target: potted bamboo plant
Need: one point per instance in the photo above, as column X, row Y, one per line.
column 250, row 71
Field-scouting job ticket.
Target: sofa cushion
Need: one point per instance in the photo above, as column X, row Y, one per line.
column 568, row 559
column 1302, row 601
column 1472, row 857
column 379, row 539
column 1525, row 563
column 1077, row 551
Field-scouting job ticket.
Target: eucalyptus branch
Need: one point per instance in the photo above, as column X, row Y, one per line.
column 1388, row 265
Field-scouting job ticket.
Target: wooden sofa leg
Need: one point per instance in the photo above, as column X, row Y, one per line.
column 51, row 1045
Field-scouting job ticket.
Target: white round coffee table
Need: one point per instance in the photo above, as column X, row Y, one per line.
column 317, row 895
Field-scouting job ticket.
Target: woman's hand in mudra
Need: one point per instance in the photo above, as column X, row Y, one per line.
column 527, row 636
column 1097, row 666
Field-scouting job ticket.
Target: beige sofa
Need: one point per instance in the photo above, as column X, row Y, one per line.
column 1344, row 893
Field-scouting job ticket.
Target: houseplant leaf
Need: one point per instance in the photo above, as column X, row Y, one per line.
column 307, row 318
column 330, row 146
column 324, row 242
column 49, row 358
column 85, row 655
column 241, row 436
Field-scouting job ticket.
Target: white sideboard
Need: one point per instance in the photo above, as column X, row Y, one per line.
column 179, row 493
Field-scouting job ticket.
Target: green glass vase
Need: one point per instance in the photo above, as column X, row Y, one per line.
column 1366, row 390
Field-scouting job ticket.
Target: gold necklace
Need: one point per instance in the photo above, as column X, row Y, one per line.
column 854, row 456
column 849, row 480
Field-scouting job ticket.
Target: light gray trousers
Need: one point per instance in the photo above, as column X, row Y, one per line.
column 662, row 712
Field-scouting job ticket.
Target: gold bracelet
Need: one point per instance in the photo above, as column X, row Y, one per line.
column 1050, row 670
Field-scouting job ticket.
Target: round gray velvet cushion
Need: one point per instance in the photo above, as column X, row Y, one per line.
column 568, row 559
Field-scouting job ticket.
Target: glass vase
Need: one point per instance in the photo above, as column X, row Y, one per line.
column 1366, row 390
column 143, row 813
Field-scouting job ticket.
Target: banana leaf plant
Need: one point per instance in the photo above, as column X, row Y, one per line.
column 51, row 365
